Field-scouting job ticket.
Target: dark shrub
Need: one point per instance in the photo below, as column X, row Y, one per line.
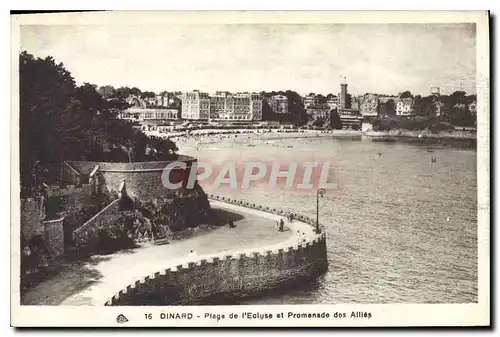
column 155, row 218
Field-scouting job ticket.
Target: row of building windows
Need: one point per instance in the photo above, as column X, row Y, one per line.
column 143, row 114
column 221, row 106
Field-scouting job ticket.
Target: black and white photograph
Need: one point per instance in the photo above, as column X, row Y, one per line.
column 248, row 169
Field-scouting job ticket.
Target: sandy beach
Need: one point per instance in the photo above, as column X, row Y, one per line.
column 198, row 138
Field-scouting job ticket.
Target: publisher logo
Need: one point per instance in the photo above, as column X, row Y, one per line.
column 121, row 319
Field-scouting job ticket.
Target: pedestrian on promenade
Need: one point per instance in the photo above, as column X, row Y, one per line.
column 299, row 241
column 231, row 224
column 304, row 239
column 282, row 225
column 192, row 254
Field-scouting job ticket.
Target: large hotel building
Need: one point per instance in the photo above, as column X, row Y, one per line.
column 195, row 105
column 221, row 106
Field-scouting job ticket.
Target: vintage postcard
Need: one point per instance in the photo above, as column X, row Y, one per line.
column 218, row 169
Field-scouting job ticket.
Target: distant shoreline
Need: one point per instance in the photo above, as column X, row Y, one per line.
column 243, row 135
column 459, row 135
column 211, row 136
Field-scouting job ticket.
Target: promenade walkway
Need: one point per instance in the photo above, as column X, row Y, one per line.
column 294, row 226
column 99, row 279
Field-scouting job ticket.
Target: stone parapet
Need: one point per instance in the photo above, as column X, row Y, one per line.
column 244, row 272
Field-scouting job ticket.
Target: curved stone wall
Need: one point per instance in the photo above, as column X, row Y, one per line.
column 239, row 273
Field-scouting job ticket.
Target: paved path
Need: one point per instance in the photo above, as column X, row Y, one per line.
column 125, row 268
column 295, row 225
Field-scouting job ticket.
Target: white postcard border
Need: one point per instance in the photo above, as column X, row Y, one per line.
column 477, row 314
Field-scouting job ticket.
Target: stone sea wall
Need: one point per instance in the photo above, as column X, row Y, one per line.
column 235, row 274
column 232, row 274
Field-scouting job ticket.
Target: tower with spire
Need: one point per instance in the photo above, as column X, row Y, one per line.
column 343, row 94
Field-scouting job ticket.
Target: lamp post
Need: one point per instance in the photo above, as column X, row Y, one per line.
column 321, row 192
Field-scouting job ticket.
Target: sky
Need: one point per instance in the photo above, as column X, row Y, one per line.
column 377, row 58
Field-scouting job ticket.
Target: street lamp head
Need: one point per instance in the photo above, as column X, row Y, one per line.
column 321, row 192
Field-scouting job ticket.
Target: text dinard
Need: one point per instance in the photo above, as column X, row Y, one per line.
column 267, row 316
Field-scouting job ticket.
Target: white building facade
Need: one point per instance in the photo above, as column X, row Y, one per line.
column 404, row 106
column 195, row 105
column 237, row 107
column 256, row 107
column 140, row 114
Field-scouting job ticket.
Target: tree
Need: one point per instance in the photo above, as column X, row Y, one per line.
column 455, row 108
column 321, row 99
column 460, row 116
column 176, row 104
column 148, row 94
column 106, row 91
column 348, row 101
column 296, row 107
column 458, row 97
column 389, row 108
column 471, row 98
column 163, row 147
column 59, row 121
column 46, row 90
column 135, row 91
column 121, row 93
column 267, row 112
column 335, row 122
column 406, row 94
column 424, row 106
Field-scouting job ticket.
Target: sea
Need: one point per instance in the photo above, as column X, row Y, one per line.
column 401, row 221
